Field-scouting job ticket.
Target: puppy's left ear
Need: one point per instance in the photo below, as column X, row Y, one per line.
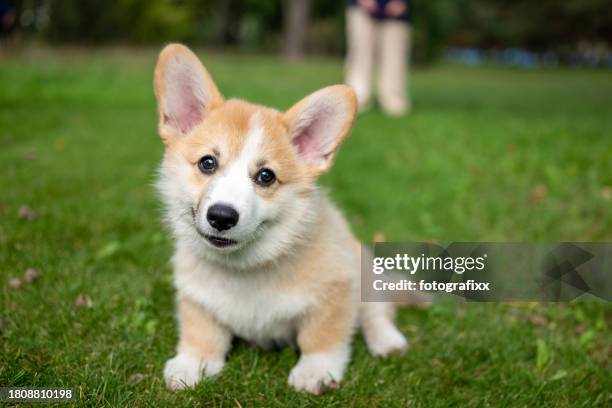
column 319, row 123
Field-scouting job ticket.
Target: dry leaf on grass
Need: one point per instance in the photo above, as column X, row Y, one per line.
column 538, row 193
column 136, row 378
column 14, row 283
column 31, row 275
column 580, row 328
column 83, row 300
column 537, row 320
column 378, row 237
column 26, row 213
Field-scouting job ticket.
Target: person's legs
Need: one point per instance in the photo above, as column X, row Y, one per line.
column 360, row 32
column 394, row 46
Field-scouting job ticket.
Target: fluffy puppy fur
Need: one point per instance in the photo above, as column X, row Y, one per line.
column 285, row 268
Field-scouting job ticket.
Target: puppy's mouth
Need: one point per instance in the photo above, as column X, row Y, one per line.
column 216, row 241
column 219, row 242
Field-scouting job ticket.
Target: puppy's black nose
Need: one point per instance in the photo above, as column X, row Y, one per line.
column 221, row 217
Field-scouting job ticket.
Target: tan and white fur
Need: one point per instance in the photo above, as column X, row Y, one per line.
column 287, row 272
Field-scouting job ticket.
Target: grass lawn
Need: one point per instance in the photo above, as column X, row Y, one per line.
column 487, row 155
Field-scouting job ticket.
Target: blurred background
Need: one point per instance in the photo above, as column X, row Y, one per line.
column 510, row 140
column 516, row 32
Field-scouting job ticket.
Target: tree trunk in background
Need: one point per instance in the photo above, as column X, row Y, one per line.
column 297, row 15
column 228, row 14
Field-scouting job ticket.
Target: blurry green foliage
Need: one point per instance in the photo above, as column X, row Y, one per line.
column 258, row 24
column 136, row 21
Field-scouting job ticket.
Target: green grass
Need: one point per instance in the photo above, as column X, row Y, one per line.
column 488, row 155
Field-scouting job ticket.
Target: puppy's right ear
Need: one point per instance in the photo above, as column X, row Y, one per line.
column 185, row 91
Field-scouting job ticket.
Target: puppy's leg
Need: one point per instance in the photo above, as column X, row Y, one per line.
column 381, row 335
column 324, row 338
column 202, row 347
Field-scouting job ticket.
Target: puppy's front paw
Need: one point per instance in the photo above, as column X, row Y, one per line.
column 387, row 342
column 318, row 372
column 184, row 371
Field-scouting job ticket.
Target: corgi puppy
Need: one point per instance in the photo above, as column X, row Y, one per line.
column 260, row 252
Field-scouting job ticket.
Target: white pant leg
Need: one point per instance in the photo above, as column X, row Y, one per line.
column 394, row 46
column 361, row 41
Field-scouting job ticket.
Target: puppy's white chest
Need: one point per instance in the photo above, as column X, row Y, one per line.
column 252, row 306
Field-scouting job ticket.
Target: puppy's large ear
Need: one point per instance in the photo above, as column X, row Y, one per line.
column 185, row 91
column 319, row 123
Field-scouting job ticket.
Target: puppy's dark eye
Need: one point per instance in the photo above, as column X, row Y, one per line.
column 265, row 177
column 207, row 164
